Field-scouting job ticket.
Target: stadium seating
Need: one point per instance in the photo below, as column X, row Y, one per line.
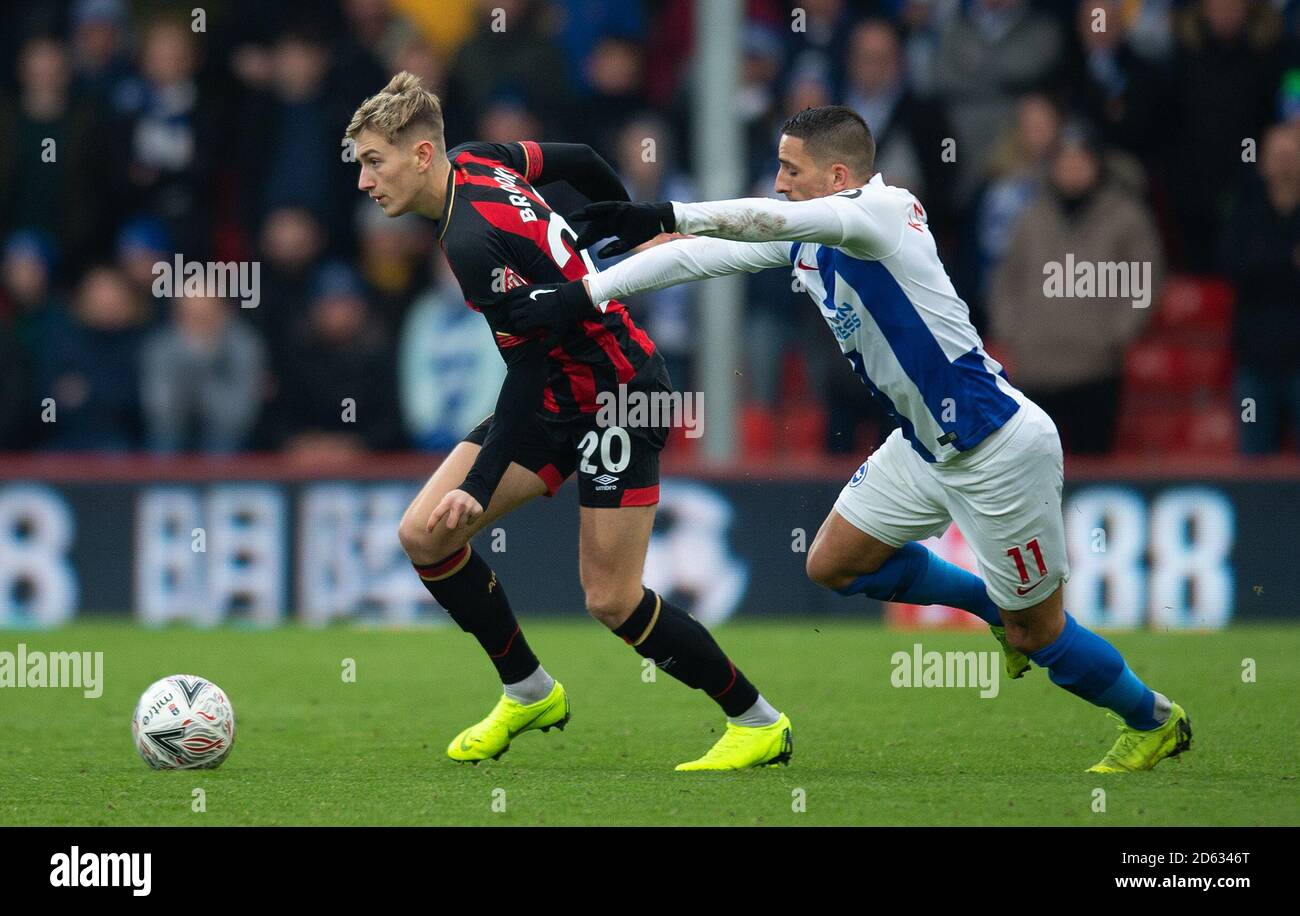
column 1178, row 376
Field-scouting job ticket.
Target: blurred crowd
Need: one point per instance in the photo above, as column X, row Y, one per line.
column 1151, row 131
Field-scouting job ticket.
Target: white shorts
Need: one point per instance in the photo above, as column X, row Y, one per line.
column 1004, row 495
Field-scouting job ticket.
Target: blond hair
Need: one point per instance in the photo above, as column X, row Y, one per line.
column 399, row 108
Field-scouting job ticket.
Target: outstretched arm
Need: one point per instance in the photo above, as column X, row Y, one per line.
column 681, row 261
column 678, row 261
column 861, row 220
column 837, row 220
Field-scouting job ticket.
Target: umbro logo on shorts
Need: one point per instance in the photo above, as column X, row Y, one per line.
column 604, row 481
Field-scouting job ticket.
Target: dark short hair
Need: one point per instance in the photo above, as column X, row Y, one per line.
column 833, row 133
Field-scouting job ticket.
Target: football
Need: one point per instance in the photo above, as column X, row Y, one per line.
column 183, row 722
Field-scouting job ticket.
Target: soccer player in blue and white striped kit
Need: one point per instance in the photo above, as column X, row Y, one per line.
column 970, row 447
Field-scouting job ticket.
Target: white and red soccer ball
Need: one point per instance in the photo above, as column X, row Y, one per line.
column 183, row 722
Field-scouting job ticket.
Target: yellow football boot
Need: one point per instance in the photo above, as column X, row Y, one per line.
column 492, row 736
column 1138, row 750
column 744, row 746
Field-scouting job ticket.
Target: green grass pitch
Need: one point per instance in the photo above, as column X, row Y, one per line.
column 312, row 749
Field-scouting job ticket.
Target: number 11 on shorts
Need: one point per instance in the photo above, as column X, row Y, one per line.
column 1015, row 554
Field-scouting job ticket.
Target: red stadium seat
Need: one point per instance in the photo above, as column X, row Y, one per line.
column 796, row 387
column 758, row 431
column 1155, row 425
column 1212, row 430
column 1178, row 377
column 1150, row 426
column 1159, row 365
column 1150, row 365
column 1195, row 304
column 803, row 430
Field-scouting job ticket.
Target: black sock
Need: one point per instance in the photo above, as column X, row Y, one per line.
column 468, row 588
column 679, row 644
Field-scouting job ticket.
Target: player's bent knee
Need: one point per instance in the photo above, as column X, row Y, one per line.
column 825, row 574
column 1031, row 640
column 1020, row 637
column 605, row 611
column 1028, row 632
column 823, row 570
column 412, row 536
column 426, row 547
column 816, row 566
column 610, row 607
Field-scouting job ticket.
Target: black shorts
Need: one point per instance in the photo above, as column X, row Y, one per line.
column 616, row 465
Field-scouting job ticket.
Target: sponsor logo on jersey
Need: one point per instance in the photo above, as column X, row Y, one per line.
column 844, row 321
column 916, row 218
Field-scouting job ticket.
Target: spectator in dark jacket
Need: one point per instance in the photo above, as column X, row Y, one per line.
column 28, row 298
column 339, row 393
column 294, row 158
column 291, row 245
column 614, row 74
column 511, row 51
column 909, row 132
column 168, row 147
column 90, row 367
column 51, row 172
column 1260, row 251
column 99, row 40
column 821, row 46
column 142, row 243
column 1227, row 80
column 1119, row 91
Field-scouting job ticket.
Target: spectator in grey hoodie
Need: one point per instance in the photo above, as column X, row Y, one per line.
column 202, row 379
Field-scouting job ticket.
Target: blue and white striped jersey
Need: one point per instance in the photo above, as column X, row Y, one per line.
column 869, row 262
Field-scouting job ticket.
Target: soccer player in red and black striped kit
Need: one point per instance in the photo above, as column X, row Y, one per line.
column 499, row 233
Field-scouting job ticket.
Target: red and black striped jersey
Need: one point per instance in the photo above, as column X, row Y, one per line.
column 498, row 233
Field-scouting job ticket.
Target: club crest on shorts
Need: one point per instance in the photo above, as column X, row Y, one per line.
column 858, row 475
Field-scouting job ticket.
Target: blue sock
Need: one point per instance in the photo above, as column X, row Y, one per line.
column 916, row 576
column 1089, row 667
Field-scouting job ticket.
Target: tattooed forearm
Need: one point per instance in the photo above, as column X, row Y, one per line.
column 749, row 226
